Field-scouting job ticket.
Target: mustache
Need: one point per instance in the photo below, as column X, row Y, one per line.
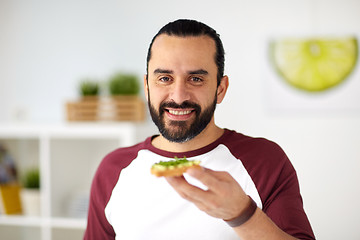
column 183, row 105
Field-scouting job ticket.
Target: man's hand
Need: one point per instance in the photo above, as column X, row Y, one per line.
column 224, row 198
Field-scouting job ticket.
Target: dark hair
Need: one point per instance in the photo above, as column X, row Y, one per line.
column 184, row 28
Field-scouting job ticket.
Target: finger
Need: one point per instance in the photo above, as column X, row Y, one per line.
column 202, row 199
column 206, row 201
column 220, row 175
column 213, row 180
column 186, row 190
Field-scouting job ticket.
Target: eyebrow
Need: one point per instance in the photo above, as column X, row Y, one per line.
column 159, row 70
column 198, row 72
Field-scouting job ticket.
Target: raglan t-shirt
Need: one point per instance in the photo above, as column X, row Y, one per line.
column 127, row 202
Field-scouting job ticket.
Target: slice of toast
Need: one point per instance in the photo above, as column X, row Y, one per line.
column 174, row 167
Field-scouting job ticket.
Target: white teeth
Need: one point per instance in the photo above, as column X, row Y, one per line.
column 174, row 112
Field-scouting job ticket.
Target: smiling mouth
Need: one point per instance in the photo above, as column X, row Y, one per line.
column 179, row 112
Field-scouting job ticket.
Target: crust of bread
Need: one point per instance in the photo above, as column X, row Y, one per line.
column 175, row 172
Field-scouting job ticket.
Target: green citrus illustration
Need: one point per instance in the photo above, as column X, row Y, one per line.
column 314, row 64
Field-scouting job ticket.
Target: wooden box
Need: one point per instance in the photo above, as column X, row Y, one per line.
column 119, row 108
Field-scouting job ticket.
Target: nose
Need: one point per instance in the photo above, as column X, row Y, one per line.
column 180, row 92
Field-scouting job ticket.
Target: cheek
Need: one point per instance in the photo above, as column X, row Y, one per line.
column 155, row 96
column 207, row 99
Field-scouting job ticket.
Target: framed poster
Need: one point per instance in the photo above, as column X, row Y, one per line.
column 313, row 75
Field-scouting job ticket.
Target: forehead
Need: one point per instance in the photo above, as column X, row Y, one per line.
column 201, row 40
column 189, row 50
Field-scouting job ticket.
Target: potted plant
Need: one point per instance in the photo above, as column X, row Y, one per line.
column 87, row 108
column 124, row 90
column 30, row 193
column 89, row 88
column 124, row 84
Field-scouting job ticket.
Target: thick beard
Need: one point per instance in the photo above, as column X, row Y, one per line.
column 179, row 131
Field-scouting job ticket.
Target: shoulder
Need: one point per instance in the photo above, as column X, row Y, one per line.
column 108, row 171
column 113, row 163
column 263, row 159
column 245, row 146
column 119, row 159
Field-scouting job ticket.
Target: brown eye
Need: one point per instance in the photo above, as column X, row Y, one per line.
column 164, row 79
column 196, row 80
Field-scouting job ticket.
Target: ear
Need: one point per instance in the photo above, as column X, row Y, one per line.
column 146, row 87
column 222, row 88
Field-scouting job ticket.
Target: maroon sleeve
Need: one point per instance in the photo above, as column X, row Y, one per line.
column 97, row 225
column 103, row 183
column 277, row 183
column 284, row 204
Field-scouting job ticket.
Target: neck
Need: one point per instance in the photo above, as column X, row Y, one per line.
column 207, row 136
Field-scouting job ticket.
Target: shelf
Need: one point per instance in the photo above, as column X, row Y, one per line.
column 68, row 155
column 20, row 221
column 28, row 221
column 71, row 223
column 96, row 129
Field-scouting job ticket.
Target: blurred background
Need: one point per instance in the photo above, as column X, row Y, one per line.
column 47, row 47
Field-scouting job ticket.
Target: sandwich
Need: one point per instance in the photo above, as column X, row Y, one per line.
column 173, row 168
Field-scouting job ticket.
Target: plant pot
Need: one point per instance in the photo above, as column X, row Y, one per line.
column 86, row 109
column 128, row 108
column 30, row 201
column 10, row 202
column 114, row 108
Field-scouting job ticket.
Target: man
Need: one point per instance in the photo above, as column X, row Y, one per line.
column 246, row 188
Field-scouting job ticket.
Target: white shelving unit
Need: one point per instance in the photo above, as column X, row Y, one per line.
column 68, row 156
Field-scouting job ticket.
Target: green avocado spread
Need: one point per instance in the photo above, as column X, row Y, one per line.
column 177, row 162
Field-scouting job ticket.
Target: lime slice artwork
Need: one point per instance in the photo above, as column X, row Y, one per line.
column 316, row 64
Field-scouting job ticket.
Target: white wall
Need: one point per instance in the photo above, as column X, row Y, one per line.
column 46, row 47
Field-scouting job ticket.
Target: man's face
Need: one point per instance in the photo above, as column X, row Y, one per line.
column 182, row 85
